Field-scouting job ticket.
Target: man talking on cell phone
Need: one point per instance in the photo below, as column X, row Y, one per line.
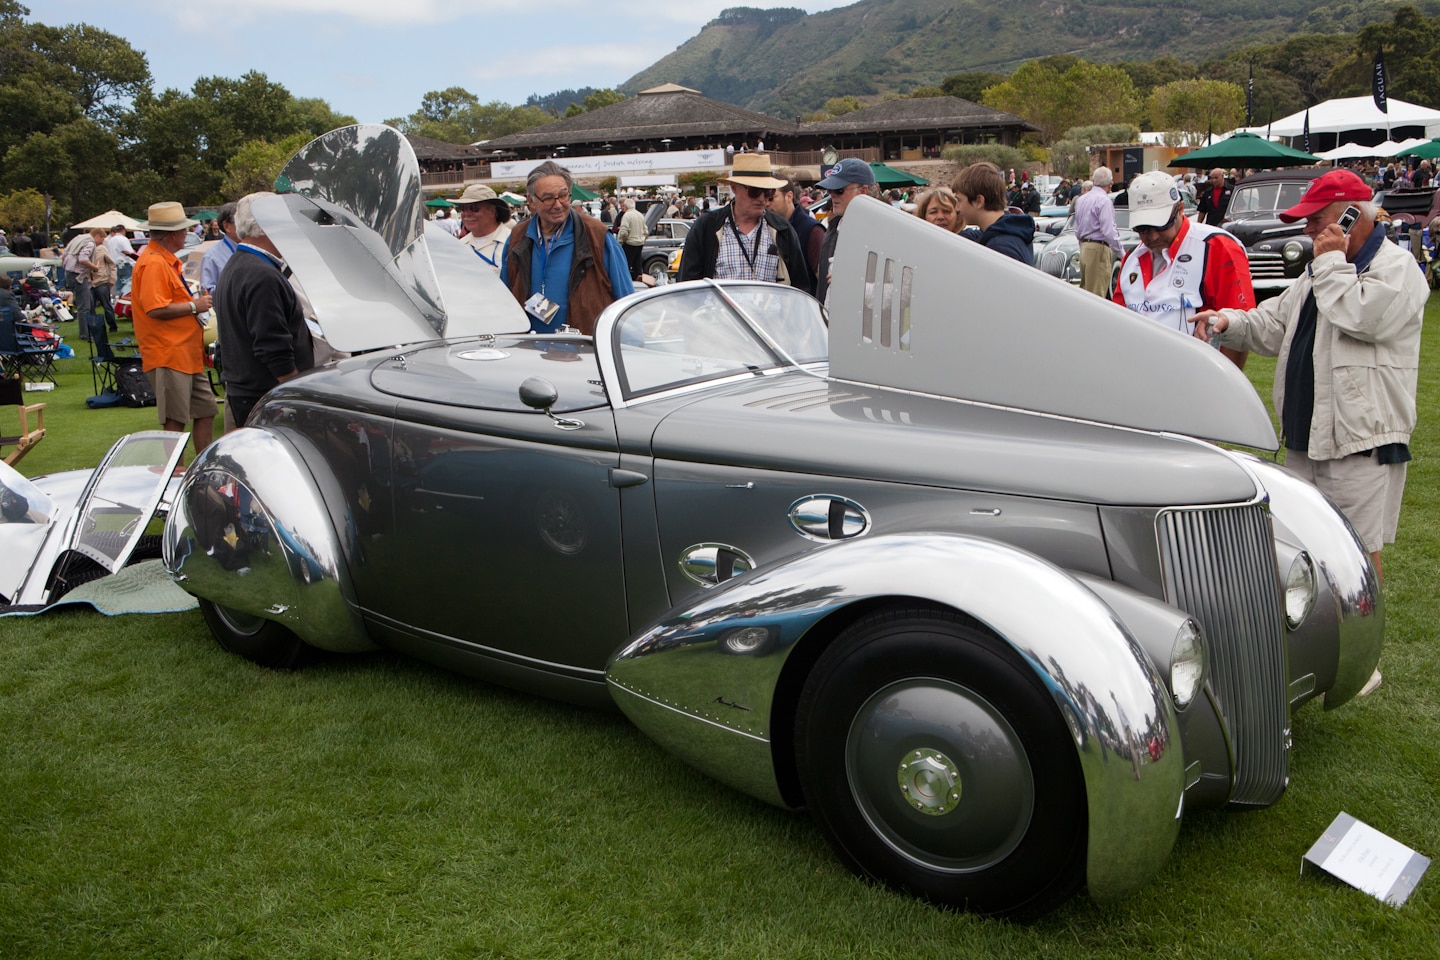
column 1347, row 335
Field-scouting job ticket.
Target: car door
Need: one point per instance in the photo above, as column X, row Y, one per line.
column 507, row 532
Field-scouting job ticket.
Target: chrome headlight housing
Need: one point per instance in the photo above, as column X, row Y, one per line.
column 1292, row 250
column 1187, row 664
column 1301, row 588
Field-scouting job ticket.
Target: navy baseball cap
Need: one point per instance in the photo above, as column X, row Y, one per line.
column 847, row 171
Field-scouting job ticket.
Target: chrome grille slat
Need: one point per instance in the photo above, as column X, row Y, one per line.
column 1268, row 266
column 1219, row 566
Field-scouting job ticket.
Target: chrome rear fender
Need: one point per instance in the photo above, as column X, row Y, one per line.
column 715, row 703
column 249, row 530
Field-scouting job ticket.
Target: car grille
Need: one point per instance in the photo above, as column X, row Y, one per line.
column 1053, row 262
column 1219, row 566
column 1267, row 266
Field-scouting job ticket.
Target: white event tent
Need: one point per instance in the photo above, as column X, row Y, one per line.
column 1353, row 113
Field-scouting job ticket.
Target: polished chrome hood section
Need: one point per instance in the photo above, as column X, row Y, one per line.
column 354, row 233
column 921, row 309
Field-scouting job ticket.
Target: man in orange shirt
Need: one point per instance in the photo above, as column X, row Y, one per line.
column 169, row 329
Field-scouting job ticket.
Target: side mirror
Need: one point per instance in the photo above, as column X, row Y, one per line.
column 537, row 393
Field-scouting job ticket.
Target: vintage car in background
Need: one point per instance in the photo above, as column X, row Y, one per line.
column 666, row 237
column 1278, row 251
column 955, row 573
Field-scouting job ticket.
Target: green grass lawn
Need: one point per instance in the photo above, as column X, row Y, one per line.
column 161, row 798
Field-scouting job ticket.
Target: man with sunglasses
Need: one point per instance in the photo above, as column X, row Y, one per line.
column 745, row 239
column 1180, row 267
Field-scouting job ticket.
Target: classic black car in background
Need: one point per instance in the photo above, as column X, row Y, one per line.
column 953, row 573
column 1277, row 251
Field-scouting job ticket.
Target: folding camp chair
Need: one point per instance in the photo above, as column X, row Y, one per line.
column 21, row 353
column 106, row 358
column 12, row 394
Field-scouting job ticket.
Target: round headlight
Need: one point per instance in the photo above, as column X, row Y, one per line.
column 1292, row 250
column 1072, row 268
column 1299, row 590
column 1187, row 664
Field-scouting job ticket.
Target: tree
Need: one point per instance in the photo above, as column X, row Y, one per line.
column 1070, row 154
column 970, row 85
column 603, row 98
column 101, row 71
column 1055, row 99
column 257, row 163
column 1189, row 110
column 1411, row 43
column 925, row 93
column 21, row 208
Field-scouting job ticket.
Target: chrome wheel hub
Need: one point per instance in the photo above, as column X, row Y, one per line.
column 930, row 782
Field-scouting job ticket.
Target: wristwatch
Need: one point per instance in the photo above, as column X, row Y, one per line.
column 194, row 309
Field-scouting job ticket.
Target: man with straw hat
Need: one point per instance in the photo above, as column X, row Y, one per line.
column 746, row 240
column 483, row 217
column 170, row 330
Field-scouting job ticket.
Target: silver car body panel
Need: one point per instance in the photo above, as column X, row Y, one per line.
column 355, row 234
column 918, row 309
column 1102, row 683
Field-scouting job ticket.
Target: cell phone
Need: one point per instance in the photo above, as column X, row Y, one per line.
column 1348, row 218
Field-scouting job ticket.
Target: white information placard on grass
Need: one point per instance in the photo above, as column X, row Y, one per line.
column 1358, row 854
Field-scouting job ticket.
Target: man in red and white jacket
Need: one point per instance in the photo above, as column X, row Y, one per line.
column 1180, row 267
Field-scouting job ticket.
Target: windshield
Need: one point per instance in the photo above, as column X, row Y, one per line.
column 695, row 334
column 1266, row 198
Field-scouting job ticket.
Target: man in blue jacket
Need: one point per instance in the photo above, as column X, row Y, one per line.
column 980, row 200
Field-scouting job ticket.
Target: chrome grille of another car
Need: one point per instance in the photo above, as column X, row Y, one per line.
column 1053, row 262
column 1219, row 566
column 1267, row 266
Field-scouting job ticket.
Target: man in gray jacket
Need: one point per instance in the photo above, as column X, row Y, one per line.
column 1347, row 335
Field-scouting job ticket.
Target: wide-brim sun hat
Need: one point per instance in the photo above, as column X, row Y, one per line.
column 476, row 193
column 753, row 170
column 168, row 215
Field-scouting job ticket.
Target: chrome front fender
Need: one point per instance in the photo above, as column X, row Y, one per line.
column 1346, row 629
column 249, row 530
column 712, row 702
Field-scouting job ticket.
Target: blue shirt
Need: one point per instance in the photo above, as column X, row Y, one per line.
column 215, row 259
column 550, row 269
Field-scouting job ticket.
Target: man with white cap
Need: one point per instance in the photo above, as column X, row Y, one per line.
column 1347, row 335
column 1180, row 267
column 844, row 182
column 745, row 239
column 169, row 329
column 483, row 216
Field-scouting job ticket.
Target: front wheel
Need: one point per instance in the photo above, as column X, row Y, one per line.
column 934, row 760
column 256, row 639
column 657, row 268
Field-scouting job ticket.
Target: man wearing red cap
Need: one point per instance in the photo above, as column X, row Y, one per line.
column 1347, row 335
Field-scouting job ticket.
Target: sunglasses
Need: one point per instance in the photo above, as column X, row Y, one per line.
column 755, row 193
column 1161, row 229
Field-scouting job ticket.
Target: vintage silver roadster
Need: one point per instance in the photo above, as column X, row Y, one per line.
column 957, row 573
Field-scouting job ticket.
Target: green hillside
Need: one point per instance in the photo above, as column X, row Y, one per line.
column 785, row 62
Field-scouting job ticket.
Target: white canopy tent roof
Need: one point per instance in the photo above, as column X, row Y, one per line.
column 1358, row 151
column 1354, row 113
column 108, row 219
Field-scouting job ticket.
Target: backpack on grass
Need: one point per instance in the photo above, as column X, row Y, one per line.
column 133, row 385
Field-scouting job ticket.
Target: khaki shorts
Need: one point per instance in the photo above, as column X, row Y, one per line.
column 1367, row 491
column 181, row 397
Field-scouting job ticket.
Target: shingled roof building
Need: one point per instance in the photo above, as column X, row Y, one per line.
column 646, row 122
column 914, row 129
column 444, row 163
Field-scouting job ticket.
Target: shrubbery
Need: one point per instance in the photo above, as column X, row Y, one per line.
column 1006, row 158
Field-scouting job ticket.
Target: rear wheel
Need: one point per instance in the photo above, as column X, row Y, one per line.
column 656, row 267
column 256, row 639
column 934, row 760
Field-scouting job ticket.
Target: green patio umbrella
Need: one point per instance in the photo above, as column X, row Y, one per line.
column 578, row 192
column 439, row 203
column 206, row 215
column 1425, row 151
column 887, row 176
column 1244, row 149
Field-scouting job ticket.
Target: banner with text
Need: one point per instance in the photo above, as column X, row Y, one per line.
column 627, row 163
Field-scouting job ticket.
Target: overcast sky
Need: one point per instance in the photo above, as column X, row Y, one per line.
column 375, row 59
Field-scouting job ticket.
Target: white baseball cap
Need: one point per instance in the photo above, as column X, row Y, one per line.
column 1152, row 197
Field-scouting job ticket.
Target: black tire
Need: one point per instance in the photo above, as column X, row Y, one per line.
column 258, row 640
column 658, row 268
column 935, row 761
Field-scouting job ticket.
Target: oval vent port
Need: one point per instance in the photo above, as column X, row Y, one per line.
column 825, row 516
column 711, row 564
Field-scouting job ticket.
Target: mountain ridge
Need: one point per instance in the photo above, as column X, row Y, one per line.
column 785, row 62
